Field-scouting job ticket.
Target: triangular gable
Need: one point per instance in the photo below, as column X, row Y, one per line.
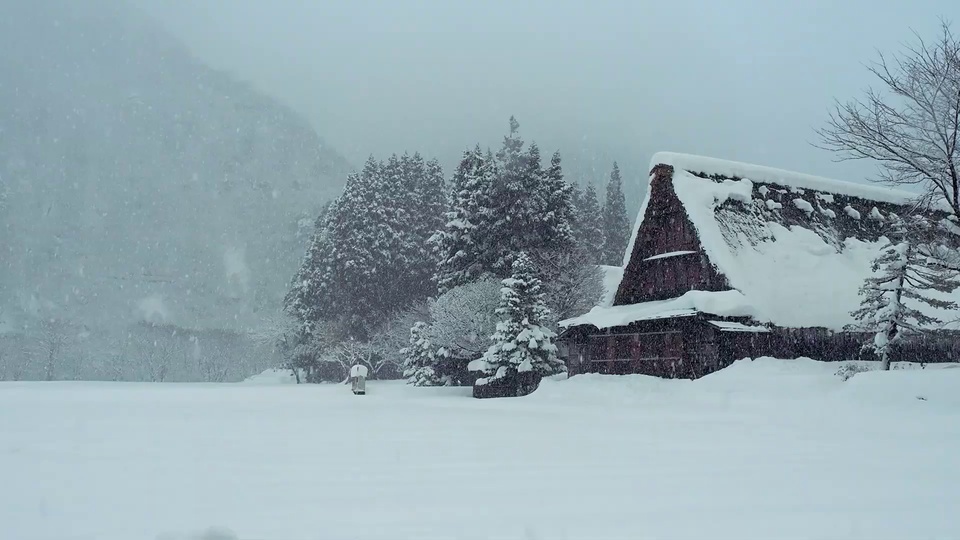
column 666, row 258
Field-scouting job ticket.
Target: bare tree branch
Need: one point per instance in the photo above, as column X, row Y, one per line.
column 912, row 126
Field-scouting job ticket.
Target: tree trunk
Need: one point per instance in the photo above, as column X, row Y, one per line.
column 885, row 359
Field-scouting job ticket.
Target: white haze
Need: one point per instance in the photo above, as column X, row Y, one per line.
column 746, row 80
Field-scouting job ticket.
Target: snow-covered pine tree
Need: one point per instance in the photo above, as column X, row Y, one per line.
column 429, row 211
column 576, row 200
column 460, row 245
column 420, row 358
column 310, row 289
column 521, row 344
column 901, row 274
column 588, row 231
column 362, row 240
column 556, row 218
column 515, row 193
column 616, row 224
column 398, row 222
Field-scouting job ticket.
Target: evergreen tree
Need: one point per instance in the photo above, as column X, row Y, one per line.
column 514, row 189
column 310, row 289
column 588, row 229
column 521, row 343
column 345, row 274
column 500, row 207
column 532, row 210
column 576, row 201
column 556, row 218
column 420, row 358
column 902, row 273
column 616, row 224
column 463, row 246
column 430, row 207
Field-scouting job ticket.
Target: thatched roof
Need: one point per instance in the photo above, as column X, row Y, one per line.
column 795, row 247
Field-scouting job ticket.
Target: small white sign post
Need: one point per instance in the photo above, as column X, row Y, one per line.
column 358, row 379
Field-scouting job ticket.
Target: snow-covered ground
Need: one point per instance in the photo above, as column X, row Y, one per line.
column 764, row 449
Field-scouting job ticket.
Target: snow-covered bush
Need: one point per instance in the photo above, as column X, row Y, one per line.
column 849, row 369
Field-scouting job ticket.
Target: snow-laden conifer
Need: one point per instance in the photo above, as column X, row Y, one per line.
column 521, row 343
column 616, row 224
column 420, row 358
column 904, row 282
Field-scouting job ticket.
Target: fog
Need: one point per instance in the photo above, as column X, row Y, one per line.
column 746, row 80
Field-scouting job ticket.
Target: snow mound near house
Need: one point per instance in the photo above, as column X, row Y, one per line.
column 765, row 379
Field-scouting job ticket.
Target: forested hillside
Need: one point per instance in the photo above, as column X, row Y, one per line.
column 140, row 184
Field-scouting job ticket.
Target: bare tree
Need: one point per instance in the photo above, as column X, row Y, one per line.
column 394, row 335
column 49, row 351
column 351, row 352
column 113, row 364
column 278, row 331
column 12, row 362
column 212, row 361
column 463, row 319
column 572, row 284
column 911, row 126
column 156, row 357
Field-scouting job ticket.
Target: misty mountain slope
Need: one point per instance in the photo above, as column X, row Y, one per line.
column 139, row 183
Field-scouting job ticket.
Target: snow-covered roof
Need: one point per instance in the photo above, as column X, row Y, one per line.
column 770, row 175
column 724, row 303
column 796, row 247
column 612, row 275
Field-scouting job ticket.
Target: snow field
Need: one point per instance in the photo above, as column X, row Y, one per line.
column 763, row 449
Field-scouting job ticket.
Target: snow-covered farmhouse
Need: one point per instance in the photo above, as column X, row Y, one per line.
column 730, row 260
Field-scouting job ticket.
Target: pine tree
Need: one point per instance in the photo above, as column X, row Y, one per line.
column 514, row 192
column 429, row 209
column 310, row 289
column 902, row 273
column 588, row 229
column 462, row 246
column 521, row 344
column 532, row 210
column 576, row 201
column 420, row 358
column 556, row 218
column 616, row 224
column 346, row 273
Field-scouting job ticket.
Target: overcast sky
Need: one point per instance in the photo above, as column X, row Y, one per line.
column 739, row 79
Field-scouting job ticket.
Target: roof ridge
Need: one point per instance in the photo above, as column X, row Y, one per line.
column 770, row 175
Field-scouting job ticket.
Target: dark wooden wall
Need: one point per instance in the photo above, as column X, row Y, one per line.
column 680, row 347
column 666, row 229
column 689, row 347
